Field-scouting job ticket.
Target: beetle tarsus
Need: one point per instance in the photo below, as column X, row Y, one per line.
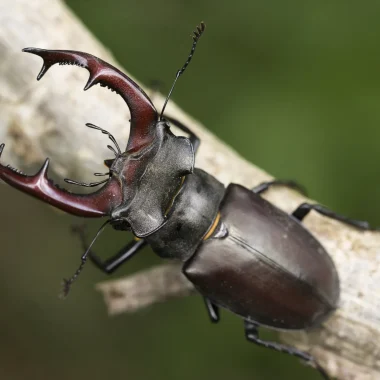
column 252, row 335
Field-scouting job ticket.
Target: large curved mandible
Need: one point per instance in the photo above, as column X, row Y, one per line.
column 97, row 204
column 143, row 113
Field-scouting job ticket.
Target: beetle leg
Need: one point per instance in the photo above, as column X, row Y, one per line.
column 194, row 139
column 212, row 309
column 262, row 187
column 114, row 262
column 305, row 208
column 252, row 335
column 111, row 264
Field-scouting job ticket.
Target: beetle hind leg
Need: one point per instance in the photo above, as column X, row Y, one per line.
column 252, row 335
column 304, row 209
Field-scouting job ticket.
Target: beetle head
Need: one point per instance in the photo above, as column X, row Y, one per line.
column 132, row 172
column 160, row 168
column 142, row 135
column 143, row 180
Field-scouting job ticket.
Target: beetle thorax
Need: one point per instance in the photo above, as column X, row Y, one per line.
column 150, row 179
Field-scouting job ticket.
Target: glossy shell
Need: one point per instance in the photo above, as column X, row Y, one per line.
column 268, row 269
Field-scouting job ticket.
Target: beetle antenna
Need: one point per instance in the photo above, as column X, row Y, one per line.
column 67, row 283
column 93, row 126
column 196, row 36
column 112, row 149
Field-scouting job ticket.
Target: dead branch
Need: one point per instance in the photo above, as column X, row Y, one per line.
column 47, row 119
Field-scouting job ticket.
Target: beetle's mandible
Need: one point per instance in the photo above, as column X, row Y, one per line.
column 241, row 252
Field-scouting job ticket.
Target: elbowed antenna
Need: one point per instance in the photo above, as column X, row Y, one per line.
column 67, row 283
column 93, row 126
column 116, row 153
column 143, row 114
column 196, row 36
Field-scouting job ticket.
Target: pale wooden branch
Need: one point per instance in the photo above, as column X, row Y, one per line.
column 47, row 119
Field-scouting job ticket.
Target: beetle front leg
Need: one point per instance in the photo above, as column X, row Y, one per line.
column 303, row 209
column 194, row 139
column 114, row 262
column 252, row 335
column 212, row 309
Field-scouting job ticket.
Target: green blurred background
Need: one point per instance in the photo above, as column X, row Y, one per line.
column 293, row 86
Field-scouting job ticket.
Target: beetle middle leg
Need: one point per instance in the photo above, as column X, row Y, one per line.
column 264, row 186
column 114, row 262
column 303, row 209
column 252, row 335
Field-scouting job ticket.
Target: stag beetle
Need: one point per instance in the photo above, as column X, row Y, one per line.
column 241, row 252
